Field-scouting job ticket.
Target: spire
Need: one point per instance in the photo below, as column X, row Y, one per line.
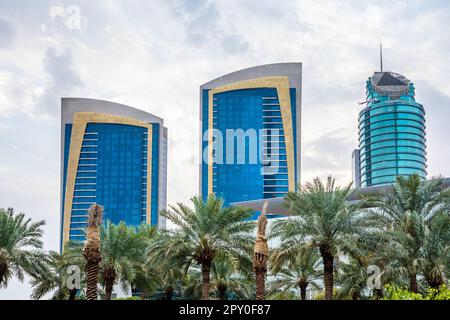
column 381, row 57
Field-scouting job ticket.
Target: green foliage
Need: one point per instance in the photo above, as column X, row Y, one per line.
column 293, row 272
column 405, row 232
column 393, row 292
column 322, row 217
column 413, row 229
column 321, row 295
column 283, row 295
column 229, row 278
column 20, row 247
column 320, row 214
column 128, row 298
column 56, row 275
column 205, row 232
column 121, row 247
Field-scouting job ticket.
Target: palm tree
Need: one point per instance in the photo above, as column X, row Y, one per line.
column 295, row 271
column 436, row 250
column 91, row 251
column 352, row 278
column 145, row 280
column 20, row 247
column 170, row 279
column 58, row 275
column 230, row 276
column 352, row 269
column 403, row 218
column 206, row 231
column 146, row 272
column 320, row 215
column 400, row 257
column 192, row 284
column 121, row 248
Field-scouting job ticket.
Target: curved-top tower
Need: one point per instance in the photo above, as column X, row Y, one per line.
column 391, row 131
column 250, row 128
column 113, row 155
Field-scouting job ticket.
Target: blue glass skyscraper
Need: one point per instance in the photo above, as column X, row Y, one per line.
column 250, row 133
column 112, row 155
column 391, row 132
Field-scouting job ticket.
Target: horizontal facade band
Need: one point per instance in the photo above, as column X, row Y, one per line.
column 420, row 126
column 413, row 170
column 371, row 121
column 385, row 104
column 420, row 165
column 412, row 138
column 278, row 192
column 392, row 179
column 378, row 152
column 275, row 186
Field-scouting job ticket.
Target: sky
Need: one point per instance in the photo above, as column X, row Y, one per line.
column 154, row 55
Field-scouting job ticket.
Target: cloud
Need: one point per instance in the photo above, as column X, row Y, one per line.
column 204, row 26
column 328, row 154
column 437, row 108
column 63, row 79
column 56, row 11
column 6, row 33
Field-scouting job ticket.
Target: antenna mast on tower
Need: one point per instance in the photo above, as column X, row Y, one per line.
column 381, row 56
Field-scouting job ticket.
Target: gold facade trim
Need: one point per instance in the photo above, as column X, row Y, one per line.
column 281, row 84
column 80, row 121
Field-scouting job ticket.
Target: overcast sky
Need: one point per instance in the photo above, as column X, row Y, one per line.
column 154, row 55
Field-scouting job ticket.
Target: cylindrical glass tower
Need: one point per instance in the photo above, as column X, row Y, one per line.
column 391, row 131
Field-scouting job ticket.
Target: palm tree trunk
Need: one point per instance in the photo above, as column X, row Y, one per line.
column 3, row 270
column 108, row 289
column 222, row 292
column 327, row 272
column 110, row 277
column 433, row 282
column 378, row 293
column 169, row 293
column 260, row 274
column 91, row 251
column 303, row 291
column 72, row 294
column 206, row 268
column 92, row 278
column 413, row 286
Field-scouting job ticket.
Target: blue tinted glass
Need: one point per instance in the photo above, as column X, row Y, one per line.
column 112, row 172
column 254, row 109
